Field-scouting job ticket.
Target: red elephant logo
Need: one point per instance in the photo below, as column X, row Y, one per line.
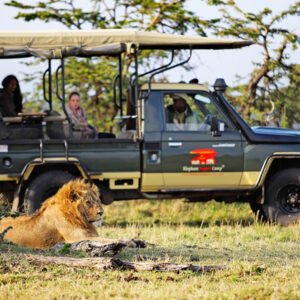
column 204, row 156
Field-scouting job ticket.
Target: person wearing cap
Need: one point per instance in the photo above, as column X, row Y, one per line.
column 180, row 113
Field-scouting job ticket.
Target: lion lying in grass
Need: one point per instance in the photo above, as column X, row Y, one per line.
column 68, row 216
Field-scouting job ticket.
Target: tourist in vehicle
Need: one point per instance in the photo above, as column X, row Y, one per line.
column 78, row 118
column 10, row 97
column 180, row 113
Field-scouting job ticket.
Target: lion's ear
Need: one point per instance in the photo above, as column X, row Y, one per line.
column 74, row 196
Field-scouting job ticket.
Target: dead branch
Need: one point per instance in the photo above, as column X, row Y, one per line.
column 94, row 248
column 97, row 249
column 112, row 263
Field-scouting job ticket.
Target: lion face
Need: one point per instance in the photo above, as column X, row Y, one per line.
column 90, row 207
column 83, row 198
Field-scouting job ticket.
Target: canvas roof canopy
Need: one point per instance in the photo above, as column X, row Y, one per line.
column 64, row 43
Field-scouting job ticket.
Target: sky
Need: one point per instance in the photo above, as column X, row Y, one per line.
column 209, row 65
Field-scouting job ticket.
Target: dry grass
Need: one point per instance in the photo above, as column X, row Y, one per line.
column 262, row 260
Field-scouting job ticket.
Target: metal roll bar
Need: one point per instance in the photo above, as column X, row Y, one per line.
column 49, row 97
column 170, row 67
column 119, row 79
column 161, row 67
column 61, row 97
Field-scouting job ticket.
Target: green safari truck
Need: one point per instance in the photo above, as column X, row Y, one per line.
column 216, row 155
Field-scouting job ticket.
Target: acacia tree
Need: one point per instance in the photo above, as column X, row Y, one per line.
column 164, row 16
column 273, row 70
column 169, row 16
column 288, row 99
column 266, row 83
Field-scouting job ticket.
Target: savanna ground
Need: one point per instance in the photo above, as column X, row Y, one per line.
column 262, row 260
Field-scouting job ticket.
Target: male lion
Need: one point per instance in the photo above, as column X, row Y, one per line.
column 68, row 216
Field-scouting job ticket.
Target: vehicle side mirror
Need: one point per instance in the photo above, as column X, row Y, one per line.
column 216, row 126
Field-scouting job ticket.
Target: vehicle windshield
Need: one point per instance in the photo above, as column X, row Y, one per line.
column 262, row 120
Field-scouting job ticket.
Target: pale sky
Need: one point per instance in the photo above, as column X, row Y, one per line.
column 210, row 64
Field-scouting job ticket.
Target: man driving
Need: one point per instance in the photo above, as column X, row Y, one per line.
column 180, row 114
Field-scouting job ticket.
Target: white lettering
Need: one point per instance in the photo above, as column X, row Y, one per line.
column 223, row 146
column 189, row 169
column 217, row 168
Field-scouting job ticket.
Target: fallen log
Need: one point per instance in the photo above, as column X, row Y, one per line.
column 92, row 248
column 102, row 263
column 95, row 248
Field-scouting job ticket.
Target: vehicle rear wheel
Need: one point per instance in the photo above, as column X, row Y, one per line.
column 282, row 203
column 43, row 187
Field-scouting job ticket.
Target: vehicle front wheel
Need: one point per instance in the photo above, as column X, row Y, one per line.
column 43, row 187
column 282, row 203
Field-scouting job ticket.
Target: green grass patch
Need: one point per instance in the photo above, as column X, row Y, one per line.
column 262, row 260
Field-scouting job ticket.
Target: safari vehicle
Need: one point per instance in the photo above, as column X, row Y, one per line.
column 219, row 158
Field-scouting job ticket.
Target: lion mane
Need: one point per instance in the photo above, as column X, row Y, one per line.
column 68, row 216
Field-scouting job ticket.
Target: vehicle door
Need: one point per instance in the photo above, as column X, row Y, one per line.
column 192, row 156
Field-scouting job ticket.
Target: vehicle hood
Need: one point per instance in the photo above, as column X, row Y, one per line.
column 276, row 131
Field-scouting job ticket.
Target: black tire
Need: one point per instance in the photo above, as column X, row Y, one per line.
column 43, row 187
column 282, row 203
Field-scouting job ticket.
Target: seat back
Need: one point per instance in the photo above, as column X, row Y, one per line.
column 55, row 127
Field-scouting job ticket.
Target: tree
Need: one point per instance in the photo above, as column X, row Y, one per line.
column 164, row 16
column 276, row 42
column 288, row 110
column 267, row 82
column 169, row 16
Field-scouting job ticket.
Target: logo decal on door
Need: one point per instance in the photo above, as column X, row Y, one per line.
column 204, row 160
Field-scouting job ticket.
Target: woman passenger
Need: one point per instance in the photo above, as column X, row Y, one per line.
column 10, row 97
column 78, row 117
